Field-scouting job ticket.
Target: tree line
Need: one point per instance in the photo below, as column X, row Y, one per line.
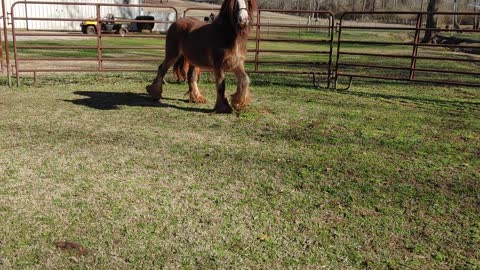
column 338, row 6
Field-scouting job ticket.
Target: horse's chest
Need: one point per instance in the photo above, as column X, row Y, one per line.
column 233, row 59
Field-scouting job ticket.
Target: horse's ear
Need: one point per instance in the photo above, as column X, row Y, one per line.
column 252, row 5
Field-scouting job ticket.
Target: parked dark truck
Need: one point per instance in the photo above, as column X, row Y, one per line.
column 143, row 26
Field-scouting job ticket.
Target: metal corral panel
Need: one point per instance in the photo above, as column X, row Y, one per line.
column 63, row 11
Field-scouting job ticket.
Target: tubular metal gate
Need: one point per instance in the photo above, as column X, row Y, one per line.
column 312, row 61
column 321, row 55
column 270, row 60
column 99, row 46
column 305, row 47
column 409, row 60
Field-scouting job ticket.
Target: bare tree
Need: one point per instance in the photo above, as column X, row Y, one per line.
column 338, row 6
column 431, row 21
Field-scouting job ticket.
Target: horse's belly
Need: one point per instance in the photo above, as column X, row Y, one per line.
column 206, row 52
column 199, row 57
column 201, row 61
column 228, row 63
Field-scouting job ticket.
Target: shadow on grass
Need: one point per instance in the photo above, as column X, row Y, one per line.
column 112, row 100
column 405, row 97
column 419, row 100
column 291, row 81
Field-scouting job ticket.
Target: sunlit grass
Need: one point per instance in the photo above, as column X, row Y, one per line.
column 382, row 176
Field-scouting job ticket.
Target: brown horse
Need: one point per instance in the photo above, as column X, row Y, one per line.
column 180, row 68
column 220, row 46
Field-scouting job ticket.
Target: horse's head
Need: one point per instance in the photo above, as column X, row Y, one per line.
column 242, row 14
column 237, row 12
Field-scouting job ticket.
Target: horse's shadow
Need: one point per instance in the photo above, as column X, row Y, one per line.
column 113, row 100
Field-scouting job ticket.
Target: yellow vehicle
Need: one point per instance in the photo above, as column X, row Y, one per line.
column 90, row 27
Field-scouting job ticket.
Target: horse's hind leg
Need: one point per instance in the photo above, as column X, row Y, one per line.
column 156, row 88
column 193, row 92
column 221, row 105
column 178, row 70
column 241, row 98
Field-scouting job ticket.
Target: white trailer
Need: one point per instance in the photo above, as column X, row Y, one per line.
column 55, row 10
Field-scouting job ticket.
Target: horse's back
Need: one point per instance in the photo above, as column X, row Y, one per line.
column 184, row 25
column 203, row 45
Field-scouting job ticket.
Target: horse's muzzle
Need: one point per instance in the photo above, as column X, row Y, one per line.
column 243, row 18
column 243, row 24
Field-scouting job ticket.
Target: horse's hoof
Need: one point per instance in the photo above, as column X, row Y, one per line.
column 240, row 102
column 223, row 108
column 239, row 107
column 155, row 91
column 198, row 99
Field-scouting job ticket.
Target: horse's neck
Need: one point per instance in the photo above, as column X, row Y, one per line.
column 224, row 24
column 236, row 37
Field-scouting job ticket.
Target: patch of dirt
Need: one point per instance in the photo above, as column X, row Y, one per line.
column 72, row 247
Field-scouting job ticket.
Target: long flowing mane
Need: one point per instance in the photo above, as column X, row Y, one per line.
column 226, row 16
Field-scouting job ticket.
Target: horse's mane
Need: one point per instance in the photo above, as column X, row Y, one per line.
column 227, row 16
column 252, row 6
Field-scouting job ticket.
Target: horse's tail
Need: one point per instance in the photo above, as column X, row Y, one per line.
column 180, row 69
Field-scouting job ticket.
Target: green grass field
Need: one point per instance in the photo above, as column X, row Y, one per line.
column 384, row 176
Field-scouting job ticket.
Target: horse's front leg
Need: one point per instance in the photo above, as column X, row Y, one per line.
column 221, row 105
column 241, row 98
column 193, row 92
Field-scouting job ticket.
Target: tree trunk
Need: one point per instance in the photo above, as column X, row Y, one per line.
column 455, row 17
column 476, row 18
column 431, row 21
column 477, row 22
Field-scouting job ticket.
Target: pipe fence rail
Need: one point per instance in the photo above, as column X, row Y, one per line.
column 300, row 42
column 432, row 61
column 99, row 36
column 271, row 60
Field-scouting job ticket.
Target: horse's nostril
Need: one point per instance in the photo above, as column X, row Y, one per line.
column 243, row 23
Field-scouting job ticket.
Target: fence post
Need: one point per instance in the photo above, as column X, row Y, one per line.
column 5, row 33
column 1, row 51
column 257, row 40
column 330, row 56
column 99, row 39
column 15, row 52
column 416, row 41
column 338, row 48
